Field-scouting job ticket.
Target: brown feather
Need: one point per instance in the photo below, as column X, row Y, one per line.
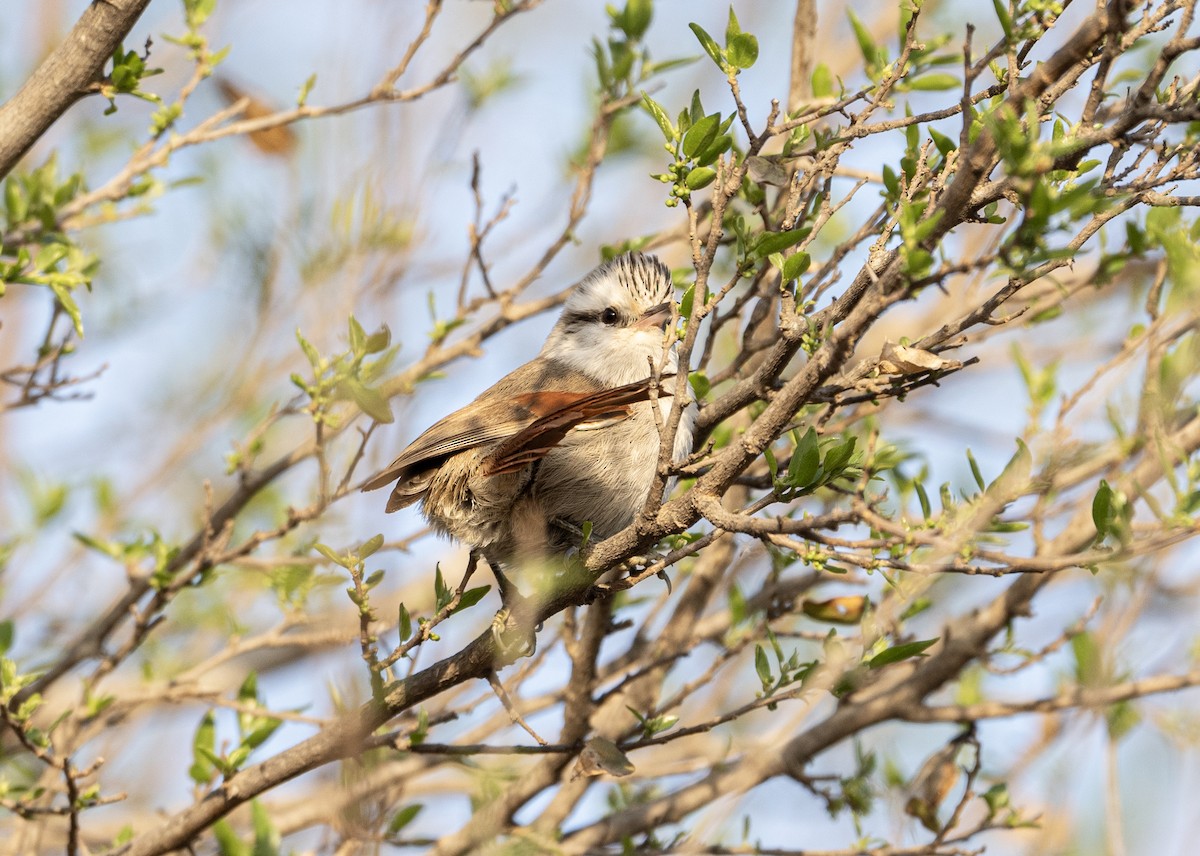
column 539, row 418
column 535, row 441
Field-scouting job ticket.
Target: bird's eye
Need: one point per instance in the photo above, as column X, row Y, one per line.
column 609, row 316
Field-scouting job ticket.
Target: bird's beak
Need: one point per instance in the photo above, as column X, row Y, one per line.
column 655, row 316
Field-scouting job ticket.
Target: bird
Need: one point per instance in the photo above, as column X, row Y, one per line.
column 565, row 442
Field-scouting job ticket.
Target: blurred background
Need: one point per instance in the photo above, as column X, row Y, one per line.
column 191, row 325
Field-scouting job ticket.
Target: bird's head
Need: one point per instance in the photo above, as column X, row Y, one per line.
column 613, row 320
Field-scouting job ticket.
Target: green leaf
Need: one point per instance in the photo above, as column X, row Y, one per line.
column 305, row 89
column 67, row 302
column 923, row 498
column 370, row 401
column 822, row 81
column 358, row 336
column 763, row 667
column 837, row 457
column 660, row 116
column 404, row 624
column 936, row 82
column 370, row 546
column 742, row 50
column 806, row 459
column 795, row 265
column 733, row 28
column 866, row 44
column 266, row 837
column 197, row 11
column 228, row 844
column 1004, row 18
column 7, row 633
column 944, row 144
column 776, row 242
column 262, row 730
column 701, row 134
column 204, row 744
column 721, row 144
column 1089, row 663
column 1015, row 476
column 975, row 470
column 700, row 177
column 403, row 818
column 470, row 597
column 891, row 182
column 310, row 352
column 442, row 594
column 710, row 47
column 329, row 554
column 1102, row 510
column 900, row 652
column 636, row 17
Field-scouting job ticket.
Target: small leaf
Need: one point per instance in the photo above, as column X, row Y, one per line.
column 806, row 459
column 763, row 667
column 900, row 652
column 601, row 755
column 369, row 547
column 923, row 498
column 370, row 401
column 404, row 623
column 314, row 358
column 742, row 50
column 1102, row 510
column 329, row 554
column 1004, row 18
column 379, row 340
column 975, row 470
column 261, row 732
column 660, row 116
column 944, row 144
column 795, row 265
column 822, row 81
column 701, row 134
column 838, row 610
column 866, row 44
column 777, row 242
column 403, row 818
column 710, row 46
column 470, row 597
column 936, row 82
column 700, row 177
column 203, row 745
column 358, row 336
column 733, row 29
column 837, row 457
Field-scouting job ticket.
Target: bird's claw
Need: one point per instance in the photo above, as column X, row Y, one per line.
column 513, row 634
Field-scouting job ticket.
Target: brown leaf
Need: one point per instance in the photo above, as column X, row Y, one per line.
column 599, row 756
column 278, row 141
column 902, row 359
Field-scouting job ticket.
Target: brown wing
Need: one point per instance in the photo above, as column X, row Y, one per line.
column 477, row 424
column 536, row 440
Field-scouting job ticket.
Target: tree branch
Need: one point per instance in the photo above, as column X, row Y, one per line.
column 65, row 76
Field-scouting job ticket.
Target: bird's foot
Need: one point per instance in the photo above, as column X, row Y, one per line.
column 514, row 630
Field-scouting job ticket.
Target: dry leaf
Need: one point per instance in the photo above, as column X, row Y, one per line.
column 902, row 359
column 600, row 755
column 837, row 610
column 279, row 141
column 766, row 171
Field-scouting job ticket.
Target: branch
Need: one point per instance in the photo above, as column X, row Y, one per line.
column 64, row 77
